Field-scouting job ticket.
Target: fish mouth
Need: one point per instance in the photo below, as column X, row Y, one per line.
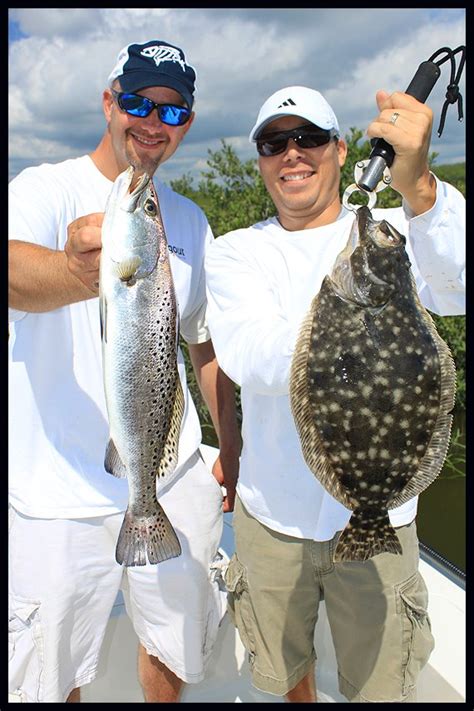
column 380, row 232
column 135, row 183
column 138, row 182
column 353, row 277
column 367, row 227
column 388, row 236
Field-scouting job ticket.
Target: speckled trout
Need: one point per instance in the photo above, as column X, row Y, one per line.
column 372, row 387
column 145, row 401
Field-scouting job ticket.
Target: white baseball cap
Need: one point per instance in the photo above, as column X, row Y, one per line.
column 296, row 101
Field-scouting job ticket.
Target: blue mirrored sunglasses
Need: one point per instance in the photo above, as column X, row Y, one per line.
column 141, row 106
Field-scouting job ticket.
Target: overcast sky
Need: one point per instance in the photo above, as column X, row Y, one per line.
column 59, row 60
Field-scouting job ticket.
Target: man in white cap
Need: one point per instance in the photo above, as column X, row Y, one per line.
column 261, row 281
column 66, row 510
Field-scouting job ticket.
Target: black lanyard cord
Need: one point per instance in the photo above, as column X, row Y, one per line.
column 453, row 94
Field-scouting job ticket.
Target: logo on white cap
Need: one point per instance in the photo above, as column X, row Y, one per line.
column 288, row 102
column 159, row 53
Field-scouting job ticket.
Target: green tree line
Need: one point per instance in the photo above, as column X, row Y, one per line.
column 232, row 195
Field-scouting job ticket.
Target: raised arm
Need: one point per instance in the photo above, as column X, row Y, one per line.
column 406, row 124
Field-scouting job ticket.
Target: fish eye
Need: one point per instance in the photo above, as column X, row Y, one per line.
column 150, row 208
column 391, row 235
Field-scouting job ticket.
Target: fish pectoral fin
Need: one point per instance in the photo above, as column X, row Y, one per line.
column 113, row 464
column 127, row 268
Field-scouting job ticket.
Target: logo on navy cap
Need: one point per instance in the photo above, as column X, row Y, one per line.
column 159, row 53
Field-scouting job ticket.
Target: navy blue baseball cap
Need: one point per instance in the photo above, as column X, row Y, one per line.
column 154, row 63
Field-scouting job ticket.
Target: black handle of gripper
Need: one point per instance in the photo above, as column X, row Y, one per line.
column 420, row 87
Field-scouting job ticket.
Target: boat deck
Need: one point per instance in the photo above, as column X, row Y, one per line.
column 228, row 679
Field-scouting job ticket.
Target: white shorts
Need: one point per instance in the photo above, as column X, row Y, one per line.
column 63, row 582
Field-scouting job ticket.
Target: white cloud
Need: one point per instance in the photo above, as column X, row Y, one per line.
column 241, row 56
column 50, row 22
column 393, row 68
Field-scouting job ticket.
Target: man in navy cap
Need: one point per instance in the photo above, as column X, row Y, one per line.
column 66, row 511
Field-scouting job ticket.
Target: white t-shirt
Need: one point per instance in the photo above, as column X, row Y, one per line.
column 58, row 425
column 261, row 281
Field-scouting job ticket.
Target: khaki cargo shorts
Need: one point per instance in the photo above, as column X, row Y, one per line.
column 377, row 611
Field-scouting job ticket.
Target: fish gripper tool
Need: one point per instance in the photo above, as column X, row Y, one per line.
column 373, row 175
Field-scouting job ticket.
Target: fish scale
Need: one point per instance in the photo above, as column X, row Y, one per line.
column 372, row 387
column 145, row 400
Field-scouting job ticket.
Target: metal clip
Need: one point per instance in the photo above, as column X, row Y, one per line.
column 372, row 197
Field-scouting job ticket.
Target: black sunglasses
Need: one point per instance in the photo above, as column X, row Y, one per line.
column 141, row 106
column 305, row 137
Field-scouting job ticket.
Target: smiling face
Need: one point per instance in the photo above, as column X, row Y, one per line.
column 145, row 142
column 303, row 182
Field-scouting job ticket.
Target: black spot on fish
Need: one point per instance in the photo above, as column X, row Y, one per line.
column 383, row 402
column 409, row 364
column 349, row 368
column 397, row 439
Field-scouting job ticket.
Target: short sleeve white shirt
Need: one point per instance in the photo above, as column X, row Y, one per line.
column 58, row 425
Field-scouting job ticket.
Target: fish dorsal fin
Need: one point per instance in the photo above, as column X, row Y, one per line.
column 113, row 464
column 311, row 445
column 170, row 450
column 437, row 449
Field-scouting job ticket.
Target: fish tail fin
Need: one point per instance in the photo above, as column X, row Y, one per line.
column 368, row 533
column 143, row 537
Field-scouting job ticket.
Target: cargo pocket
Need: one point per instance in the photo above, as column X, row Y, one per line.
column 418, row 642
column 240, row 605
column 26, row 650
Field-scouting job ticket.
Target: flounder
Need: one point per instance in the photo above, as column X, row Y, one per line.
column 372, row 387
